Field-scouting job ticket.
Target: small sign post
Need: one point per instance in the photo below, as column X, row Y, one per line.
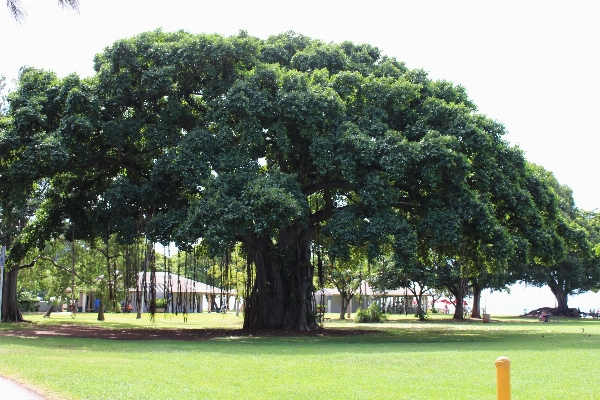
column 503, row 378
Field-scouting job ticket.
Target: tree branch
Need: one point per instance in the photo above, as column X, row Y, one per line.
column 105, row 253
column 66, row 269
column 331, row 184
column 405, row 204
column 24, row 266
column 111, row 161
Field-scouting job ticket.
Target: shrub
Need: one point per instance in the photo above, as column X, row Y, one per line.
column 161, row 303
column 311, row 318
column 371, row 314
column 27, row 300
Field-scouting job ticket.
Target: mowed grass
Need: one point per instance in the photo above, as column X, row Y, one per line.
column 402, row 359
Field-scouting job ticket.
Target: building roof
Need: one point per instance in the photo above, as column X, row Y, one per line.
column 367, row 290
column 178, row 284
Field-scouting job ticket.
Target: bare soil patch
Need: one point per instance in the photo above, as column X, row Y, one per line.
column 95, row 332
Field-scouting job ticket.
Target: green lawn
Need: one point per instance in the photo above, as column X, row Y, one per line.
column 405, row 359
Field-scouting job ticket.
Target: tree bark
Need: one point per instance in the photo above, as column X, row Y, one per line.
column 138, row 302
column 419, row 295
column 342, row 308
column 212, row 299
column 420, row 311
column 281, row 295
column 459, row 292
column 345, row 307
column 561, row 299
column 101, row 311
column 476, row 312
column 10, row 305
column 51, row 309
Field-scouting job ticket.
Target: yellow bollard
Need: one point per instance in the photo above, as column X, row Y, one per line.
column 503, row 377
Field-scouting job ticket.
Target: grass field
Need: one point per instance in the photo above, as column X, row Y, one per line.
column 402, row 359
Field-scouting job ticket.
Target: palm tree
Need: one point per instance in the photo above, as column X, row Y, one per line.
column 14, row 6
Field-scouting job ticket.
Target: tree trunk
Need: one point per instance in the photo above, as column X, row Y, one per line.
column 342, row 308
column 101, row 311
column 281, row 295
column 476, row 312
column 561, row 300
column 138, row 302
column 10, row 305
column 459, row 292
column 111, row 297
column 50, row 310
column 213, row 303
column 109, row 275
column 420, row 310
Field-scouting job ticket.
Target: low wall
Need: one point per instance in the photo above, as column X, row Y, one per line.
column 44, row 306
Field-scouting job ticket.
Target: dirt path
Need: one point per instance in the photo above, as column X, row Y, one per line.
column 89, row 332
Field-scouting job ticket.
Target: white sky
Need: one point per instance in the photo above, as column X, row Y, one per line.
column 531, row 65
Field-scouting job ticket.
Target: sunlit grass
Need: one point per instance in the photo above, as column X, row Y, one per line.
column 404, row 359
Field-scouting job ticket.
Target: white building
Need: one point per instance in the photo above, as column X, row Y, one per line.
column 392, row 301
column 183, row 292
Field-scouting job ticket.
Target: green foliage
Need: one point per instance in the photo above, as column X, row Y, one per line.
column 272, row 143
column 576, row 269
column 27, row 300
column 372, row 314
column 161, row 303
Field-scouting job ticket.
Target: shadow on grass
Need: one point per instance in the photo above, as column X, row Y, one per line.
column 391, row 337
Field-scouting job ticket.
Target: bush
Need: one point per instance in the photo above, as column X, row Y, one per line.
column 311, row 318
column 371, row 314
column 116, row 309
column 161, row 303
column 27, row 300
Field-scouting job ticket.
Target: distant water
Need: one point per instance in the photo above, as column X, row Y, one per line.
column 529, row 298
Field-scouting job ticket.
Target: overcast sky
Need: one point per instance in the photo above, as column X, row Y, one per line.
column 530, row 65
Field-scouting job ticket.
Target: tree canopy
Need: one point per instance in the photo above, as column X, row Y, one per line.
column 578, row 270
column 277, row 144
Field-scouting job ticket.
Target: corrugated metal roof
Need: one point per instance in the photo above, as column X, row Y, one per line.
column 367, row 290
column 178, row 284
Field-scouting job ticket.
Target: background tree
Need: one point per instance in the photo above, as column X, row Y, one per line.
column 578, row 270
column 422, row 279
column 344, row 275
column 3, row 102
column 31, row 149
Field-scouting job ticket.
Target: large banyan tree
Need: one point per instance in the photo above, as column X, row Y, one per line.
column 271, row 144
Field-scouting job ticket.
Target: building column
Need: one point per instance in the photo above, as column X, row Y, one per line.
column 82, row 300
column 201, row 303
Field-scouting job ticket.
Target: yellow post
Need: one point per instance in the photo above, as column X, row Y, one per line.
column 503, row 377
